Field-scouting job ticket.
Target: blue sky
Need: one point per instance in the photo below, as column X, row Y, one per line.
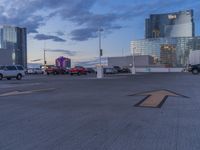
column 69, row 27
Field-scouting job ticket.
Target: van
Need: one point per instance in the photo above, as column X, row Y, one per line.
column 12, row 71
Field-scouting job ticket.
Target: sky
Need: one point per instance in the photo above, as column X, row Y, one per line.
column 70, row 27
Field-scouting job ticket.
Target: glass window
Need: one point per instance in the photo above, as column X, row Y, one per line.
column 2, row 67
column 11, row 68
column 20, row 68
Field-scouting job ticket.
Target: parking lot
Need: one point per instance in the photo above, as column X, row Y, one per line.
column 84, row 113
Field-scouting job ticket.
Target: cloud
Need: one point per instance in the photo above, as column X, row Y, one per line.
column 84, row 34
column 67, row 52
column 35, row 13
column 49, row 37
column 60, row 33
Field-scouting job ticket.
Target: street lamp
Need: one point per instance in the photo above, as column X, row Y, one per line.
column 100, row 50
column 99, row 67
column 133, row 65
column 45, row 62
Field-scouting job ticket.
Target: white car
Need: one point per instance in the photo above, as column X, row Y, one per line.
column 12, row 71
column 35, row 71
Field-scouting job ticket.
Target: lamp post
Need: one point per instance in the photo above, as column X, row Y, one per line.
column 99, row 67
column 133, row 65
column 100, row 50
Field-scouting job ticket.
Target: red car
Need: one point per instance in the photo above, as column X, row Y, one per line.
column 54, row 70
column 79, row 70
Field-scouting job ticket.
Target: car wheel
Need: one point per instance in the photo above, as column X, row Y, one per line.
column 71, row 74
column 195, row 71
column 8, row 78
column 19, row 77
column 1, row 76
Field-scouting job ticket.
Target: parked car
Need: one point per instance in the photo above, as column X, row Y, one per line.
column 195, row 69
column 38, row 71
column 55, row 70
column 90, row 70
column 79, row 70
column 117, row 68
column 12, row 71
column 35, row 71
column 109, row 71
column 125, row 70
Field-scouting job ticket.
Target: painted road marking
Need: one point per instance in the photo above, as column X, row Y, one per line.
column 155, row 99
column 14, row 93
column 13, row 85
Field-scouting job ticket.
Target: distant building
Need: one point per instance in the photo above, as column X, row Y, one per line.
column 170, row 52
column 127, row 61
column 177, row 24
column 169, row 38
column 63, row 62
column 13, row 45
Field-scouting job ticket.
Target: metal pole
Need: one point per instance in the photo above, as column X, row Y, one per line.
column 133, row 66
column 100, row 46
column 44, row 57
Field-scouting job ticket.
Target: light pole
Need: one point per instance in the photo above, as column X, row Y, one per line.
column 99, row 67
column 133, row 65
column 100, row 50
column 45, row 62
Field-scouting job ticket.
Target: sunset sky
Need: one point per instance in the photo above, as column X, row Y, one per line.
column 70, row 27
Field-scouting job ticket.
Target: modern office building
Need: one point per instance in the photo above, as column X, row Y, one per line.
column 177, row 24
column 169, row 39
column 13, row 45
column 170, row 52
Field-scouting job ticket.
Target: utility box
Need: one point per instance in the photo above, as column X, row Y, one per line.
column 100, row 72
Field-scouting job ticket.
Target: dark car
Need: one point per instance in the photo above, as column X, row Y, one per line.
column 195, row 69
column 90, row 70
column 109, row 71
column 125, row 70
column 79, row 70
column 117, row 68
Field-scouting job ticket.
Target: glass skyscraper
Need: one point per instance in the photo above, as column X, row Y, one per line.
column 177, row 24
column 169, row 38
column 13, row 45
column 167, row 52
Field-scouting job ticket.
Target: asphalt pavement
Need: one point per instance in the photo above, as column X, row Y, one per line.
column 153, row 111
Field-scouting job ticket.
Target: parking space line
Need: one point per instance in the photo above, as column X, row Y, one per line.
column 14, row 93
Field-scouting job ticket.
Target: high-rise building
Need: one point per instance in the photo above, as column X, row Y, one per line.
column 169, row 39
column 168, row 52
column 177, row 24
column 13, row 45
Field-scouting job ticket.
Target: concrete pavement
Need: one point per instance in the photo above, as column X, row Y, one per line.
column 82, row 113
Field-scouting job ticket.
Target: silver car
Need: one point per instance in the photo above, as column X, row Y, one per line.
column 12, row 71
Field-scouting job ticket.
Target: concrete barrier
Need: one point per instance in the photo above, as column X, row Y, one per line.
column 150, row 69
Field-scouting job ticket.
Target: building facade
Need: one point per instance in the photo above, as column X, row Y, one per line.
column 63, row 62
column 13, row 45
column 168, row 52
column 169, row 39
column 127, row 61
column 177, row 24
